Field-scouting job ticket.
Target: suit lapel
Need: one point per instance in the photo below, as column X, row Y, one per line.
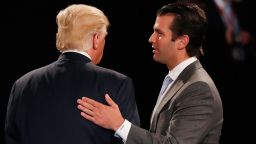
column 178, row 83
column 171, row 92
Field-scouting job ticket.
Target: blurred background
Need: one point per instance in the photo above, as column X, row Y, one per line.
column 28, row 42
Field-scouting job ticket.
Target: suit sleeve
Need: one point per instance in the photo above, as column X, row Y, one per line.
column 11, row 131
column 192, row 116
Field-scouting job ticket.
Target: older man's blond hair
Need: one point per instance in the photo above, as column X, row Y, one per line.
column 76, row 26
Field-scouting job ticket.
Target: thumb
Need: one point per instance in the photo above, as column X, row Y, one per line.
column 110, row 101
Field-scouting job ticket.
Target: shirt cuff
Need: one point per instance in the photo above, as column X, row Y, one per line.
column 123, row 130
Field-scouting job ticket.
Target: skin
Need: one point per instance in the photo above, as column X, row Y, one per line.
column 106, row 116
column 96, row 52
column 165, row 50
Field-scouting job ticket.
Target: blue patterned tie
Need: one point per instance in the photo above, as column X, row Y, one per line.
column 165, row 84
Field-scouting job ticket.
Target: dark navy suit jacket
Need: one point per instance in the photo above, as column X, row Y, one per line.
column 42, row 107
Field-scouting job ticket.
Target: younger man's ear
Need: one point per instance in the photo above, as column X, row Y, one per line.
column 183, row 41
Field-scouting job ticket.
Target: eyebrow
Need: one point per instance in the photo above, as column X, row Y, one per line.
column 157, row 30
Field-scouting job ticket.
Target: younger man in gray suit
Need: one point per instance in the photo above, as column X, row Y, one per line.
column 189, row 110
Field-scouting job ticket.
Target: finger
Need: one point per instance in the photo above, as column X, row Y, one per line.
column 110, row 101
column 85, row 110
column 88, row 117
column 85, row 104
column 80, row 101
column 93, row 102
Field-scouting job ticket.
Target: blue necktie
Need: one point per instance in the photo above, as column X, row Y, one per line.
column 165, row 84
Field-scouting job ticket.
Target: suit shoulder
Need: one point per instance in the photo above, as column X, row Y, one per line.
column 111, row 73
column 35, row 73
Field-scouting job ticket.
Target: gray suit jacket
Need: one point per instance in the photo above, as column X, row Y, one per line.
column 190, row 112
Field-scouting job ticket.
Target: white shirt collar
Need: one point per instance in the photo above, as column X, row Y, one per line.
column 175, row 72
column 80, row 52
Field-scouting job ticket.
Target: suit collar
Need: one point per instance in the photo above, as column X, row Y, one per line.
column 177, row 84
column 67, row 56
column 175, row 72
column 80, row 52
